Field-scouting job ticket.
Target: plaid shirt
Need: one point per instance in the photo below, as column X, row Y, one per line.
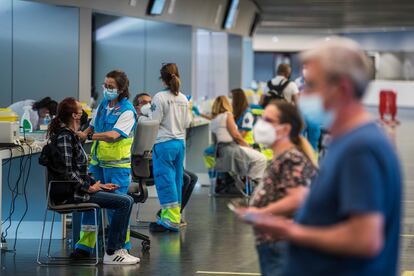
column 76, row 159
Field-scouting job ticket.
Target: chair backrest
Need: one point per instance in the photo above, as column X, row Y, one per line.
column 144, row 139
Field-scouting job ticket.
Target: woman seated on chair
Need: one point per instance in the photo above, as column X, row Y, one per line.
column 234, row 153
column 62, row 132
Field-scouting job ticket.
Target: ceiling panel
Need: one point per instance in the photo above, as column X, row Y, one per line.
column 336, row 14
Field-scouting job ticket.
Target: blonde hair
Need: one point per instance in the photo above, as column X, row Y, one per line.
column 221, row 105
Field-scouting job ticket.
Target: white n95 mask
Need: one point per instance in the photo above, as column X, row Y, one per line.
column 264, row 133
column 146, row 109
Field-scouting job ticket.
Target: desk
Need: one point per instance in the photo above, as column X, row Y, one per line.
column 30, row 228
column 198, row 139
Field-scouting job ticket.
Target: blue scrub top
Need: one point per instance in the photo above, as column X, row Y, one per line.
column 360, row 174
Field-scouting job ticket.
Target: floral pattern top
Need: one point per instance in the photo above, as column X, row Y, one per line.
column 289, row 170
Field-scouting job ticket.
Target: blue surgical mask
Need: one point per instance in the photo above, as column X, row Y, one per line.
column 311, row 107
column 110, row 95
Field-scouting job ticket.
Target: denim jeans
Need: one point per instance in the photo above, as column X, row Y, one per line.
column 271, row 257
column 122, row 206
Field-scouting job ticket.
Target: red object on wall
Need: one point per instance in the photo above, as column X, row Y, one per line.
column 388, row 104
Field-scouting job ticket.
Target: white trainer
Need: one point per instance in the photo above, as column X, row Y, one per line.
column 120, row 257
column 131, row 256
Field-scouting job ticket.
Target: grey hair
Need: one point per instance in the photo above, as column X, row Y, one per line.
column 341, row 57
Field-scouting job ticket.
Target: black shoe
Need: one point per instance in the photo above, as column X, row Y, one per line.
column 79, row 254
column 156, row 228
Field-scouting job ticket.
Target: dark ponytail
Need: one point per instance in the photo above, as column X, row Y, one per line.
column 64, row 114
column 289, row 114
column 171, row 77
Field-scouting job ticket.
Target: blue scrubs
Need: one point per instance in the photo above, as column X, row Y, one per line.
column 168, row 168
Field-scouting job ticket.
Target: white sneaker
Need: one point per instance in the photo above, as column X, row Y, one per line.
column 120, row 257
column 132, row 257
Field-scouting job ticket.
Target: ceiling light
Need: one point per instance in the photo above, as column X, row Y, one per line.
column 275, row 39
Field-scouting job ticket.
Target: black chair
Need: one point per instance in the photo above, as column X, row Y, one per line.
column 145, row 135
column 66, row 209
column 242, row 183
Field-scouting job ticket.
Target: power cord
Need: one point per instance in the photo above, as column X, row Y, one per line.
column 26, row 206
column 24, row 176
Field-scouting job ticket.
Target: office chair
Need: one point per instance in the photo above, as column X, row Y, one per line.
column 242, row 183
column 144, row 139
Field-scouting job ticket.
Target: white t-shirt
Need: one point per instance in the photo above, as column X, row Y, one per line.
column 290, row 90
column 173, row 114
column 123, row 125
column 219, row 127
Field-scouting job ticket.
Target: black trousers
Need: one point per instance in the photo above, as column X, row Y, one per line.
column 189, row 182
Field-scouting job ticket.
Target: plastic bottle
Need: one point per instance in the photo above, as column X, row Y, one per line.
column 25, row 123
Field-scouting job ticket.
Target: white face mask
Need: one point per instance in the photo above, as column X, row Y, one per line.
column 146, row 109
column 264, row 133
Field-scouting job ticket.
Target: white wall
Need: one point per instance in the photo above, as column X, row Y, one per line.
column 284, row 42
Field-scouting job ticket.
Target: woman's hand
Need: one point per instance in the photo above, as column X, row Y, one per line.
column 95, row 187
column 109, row 187
column 82, row 135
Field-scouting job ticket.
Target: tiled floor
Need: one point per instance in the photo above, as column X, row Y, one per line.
column 405, row 144
column 214, row 239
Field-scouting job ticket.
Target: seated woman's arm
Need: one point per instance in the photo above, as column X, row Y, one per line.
column 64, row 144
column 232, row 128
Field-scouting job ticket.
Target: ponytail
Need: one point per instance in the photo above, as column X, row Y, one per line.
column 54, row 127
column 171, row 77
column 174, row 85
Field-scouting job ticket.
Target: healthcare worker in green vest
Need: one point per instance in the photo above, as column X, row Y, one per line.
column 112, row 131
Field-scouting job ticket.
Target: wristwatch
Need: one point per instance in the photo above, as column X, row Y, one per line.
column 90, row 135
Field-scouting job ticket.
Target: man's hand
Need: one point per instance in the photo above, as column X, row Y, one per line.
column 82, row 135
column 270, row 225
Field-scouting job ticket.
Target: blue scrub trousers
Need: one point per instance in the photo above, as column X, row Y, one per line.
column 168, row 168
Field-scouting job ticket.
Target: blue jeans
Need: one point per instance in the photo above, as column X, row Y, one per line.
column 121, row 206
column 271, row 257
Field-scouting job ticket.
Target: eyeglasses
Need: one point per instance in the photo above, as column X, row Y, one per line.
column 110, row 88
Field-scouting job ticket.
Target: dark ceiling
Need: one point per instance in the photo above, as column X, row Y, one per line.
column 336, row 14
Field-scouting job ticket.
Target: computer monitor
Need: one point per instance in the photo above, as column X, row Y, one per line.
column 231, row 14
column 155, row 7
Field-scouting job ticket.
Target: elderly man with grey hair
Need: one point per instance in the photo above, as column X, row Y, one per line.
column 350, row 222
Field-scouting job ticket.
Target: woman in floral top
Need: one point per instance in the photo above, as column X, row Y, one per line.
column 287, row 178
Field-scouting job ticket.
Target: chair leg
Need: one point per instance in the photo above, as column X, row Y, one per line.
column 97, row 236
column 103, row 229
column 51, row 235
column 41, row 238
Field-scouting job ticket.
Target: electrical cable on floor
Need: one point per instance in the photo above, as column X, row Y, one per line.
column 25, row 195
column 15, row 193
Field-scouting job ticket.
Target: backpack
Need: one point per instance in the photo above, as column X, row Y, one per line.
column 275, row 92
column 52, row 159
